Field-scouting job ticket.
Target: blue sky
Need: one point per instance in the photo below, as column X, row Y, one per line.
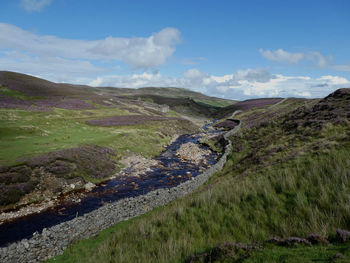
column 232, row 49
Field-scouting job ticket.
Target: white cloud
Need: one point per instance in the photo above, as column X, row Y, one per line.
column 34, row 5
column 313, row 57
column 334, row 80
column 138, row 52
column 194, row 74
column 318, row 59
column 54, row 68
column 242, row 84
column 281, row 55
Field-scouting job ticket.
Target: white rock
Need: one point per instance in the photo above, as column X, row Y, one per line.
column 89, row 186
column 72, row 186
column 26, row 244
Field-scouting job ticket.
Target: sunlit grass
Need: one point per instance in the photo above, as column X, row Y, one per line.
column 302, row 196
column 24, row 133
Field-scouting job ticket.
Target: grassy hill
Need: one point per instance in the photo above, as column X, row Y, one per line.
column 183, row 105
column 185, row 93
column 172, row 92
column 288, row 175
column 53, row 127
column 245, row 106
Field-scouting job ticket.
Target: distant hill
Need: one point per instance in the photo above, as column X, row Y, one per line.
column 184, row 105
column 33, row 86
column 184, row 93
column 245, row 106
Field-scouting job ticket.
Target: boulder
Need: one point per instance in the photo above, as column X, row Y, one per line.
column 89, row 186
column 342, row 235
column 317, row 239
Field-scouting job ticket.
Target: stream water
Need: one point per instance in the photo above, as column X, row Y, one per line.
column 170, row 173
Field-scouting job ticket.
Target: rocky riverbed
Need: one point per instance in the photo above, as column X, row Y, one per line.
column 52, row 240
column 56, row 191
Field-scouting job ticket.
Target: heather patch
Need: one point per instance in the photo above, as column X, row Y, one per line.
column 245, row 106
column 68, row 104
column 91, row 162
column 14, row 103
column 32, row 86
column 227, row 124
column 88, row 161
column 12, row 191
column 256, row 103
column 335, row 108
column 263, row 116
column 127, row 120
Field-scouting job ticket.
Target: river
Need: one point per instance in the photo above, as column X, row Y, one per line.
column 170, row 173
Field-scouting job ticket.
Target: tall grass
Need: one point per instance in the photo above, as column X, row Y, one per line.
column 304, row 195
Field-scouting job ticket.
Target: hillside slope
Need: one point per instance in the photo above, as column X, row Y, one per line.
column 280, row 180
column 32, row 86
column 245, row 106
column 25, row 90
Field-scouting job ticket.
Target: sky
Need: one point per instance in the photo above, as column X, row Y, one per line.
column 224, row 48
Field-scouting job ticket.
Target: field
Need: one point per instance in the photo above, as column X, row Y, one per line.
column 27, row 133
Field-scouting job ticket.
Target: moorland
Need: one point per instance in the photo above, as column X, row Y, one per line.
column 283, row 195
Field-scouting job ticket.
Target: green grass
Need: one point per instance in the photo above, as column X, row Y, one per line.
column 309, row 193
column 13, row 93
column 24, row 133
column 215, row 103
column 214, row 145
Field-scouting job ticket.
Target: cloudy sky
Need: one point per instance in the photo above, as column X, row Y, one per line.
column 230, row 49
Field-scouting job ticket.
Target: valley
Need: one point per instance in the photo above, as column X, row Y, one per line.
column 186, row 174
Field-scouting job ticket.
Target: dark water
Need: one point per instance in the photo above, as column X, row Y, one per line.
column 171, row 173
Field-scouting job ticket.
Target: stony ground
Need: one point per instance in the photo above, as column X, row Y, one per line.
column 192, row 152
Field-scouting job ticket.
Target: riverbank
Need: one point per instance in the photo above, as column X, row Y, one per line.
column 54, row 240
column 76, row 190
